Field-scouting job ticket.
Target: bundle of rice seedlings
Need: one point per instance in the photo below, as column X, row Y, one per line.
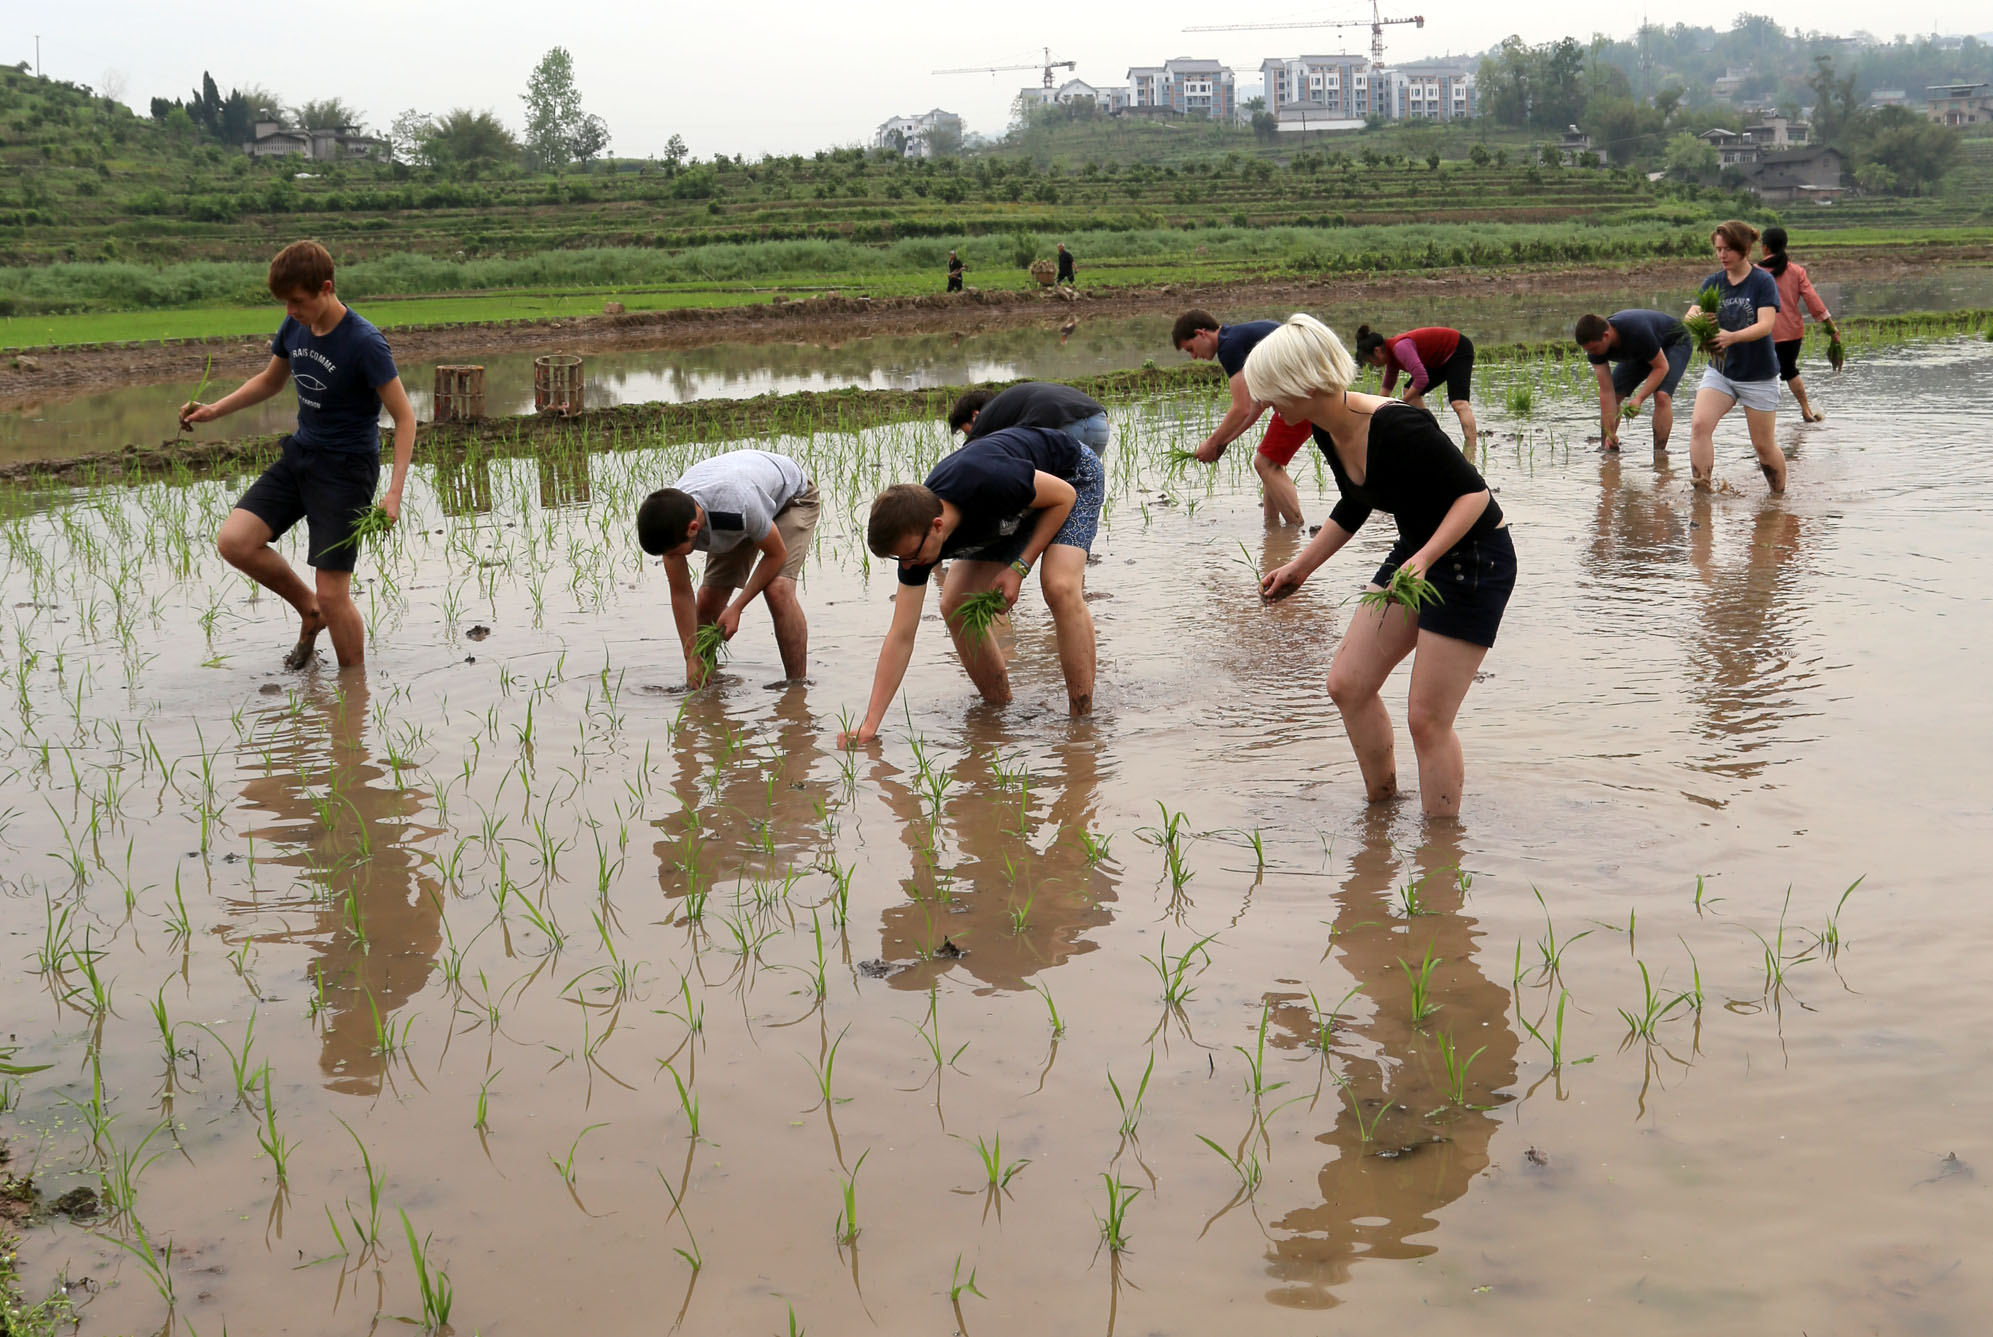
column 1703, row 326
column 375, row 523
column 1410, row 592
column 207, row 373
column 1836, row 355
column 1521, row 399
column 978, row 613
column 709, row 643
column 1176, row 458
column 1629, row 410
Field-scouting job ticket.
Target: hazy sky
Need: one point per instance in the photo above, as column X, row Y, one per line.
column 777, row 76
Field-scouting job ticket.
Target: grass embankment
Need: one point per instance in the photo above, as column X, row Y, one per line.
column 810, row 412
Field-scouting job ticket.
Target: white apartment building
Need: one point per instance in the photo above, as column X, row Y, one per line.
column 1186, row 86
column 907, row 135
column 1318, row 92
column 1431, row 93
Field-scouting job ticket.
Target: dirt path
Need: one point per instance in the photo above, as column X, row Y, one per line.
column 833, row 319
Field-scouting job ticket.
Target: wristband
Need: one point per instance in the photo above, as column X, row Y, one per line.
column 1019, row 565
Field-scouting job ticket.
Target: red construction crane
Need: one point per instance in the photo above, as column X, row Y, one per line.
column 1047, row 64
column 1376, row 25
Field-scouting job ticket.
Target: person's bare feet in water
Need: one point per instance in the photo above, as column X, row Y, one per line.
column 1080, row 705
column 1775, row 478
column 301, row 653
column 1702, row 482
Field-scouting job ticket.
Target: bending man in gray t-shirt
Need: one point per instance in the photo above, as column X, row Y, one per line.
column 731, row 507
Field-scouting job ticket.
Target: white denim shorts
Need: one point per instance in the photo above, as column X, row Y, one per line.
column 1760, row 395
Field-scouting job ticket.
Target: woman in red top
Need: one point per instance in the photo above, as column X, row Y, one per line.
column 1794, row 288
column 1430, row 355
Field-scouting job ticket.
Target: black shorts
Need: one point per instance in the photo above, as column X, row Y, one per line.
column 1457, row 372
column 1629, row 375
column 1475, row 579
column 1788, row 358
column 328, row 489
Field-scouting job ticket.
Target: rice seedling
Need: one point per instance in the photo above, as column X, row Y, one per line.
column 1174, row 974
column 996, row 1171
column 1553, row 1045
column 1095, row 848
column 1410, row 901
column 709, row 646
column 1325, row 1021
column 1828, row 942
column 1058, row 1024
column 275, row 1145
column 1420, row 983
column 1408, row 590
column 825, row 1072
column 1366, row 1129
column 1703, row 327
column 1837, row 353
column 157, row 1262
column 1628, row 411
column 207, row 374
column 1256, row 1083
column 367, row 1231
column 1131, row 1110
column 1654, row 1008
column 434, row 1282
column 373, row 523
column 565, row 1168
column 119, row 1174
column 847, row 1218
column 1548, row 946
column 977, row 614
column 1114, row 1225
column 483, row 1121
column 1456, row 1068
column 1520, row 399
column 957, row 1286
column 694, row 1258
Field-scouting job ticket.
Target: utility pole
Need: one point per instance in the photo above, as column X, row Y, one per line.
column 38, row 55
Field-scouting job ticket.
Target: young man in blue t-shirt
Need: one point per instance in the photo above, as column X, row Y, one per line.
column 995, row 507
column 327, row 469
column 1198, row 333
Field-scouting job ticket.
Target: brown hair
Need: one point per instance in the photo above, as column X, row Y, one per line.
column 1591, row 329
column 301, row 267
column 902, row 509
column 967, row 407
column 1191, row 323
column 1738, row 235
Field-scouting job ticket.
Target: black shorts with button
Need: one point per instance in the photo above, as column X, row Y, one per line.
column 328, row 489
column 1788, row 358
column 1474, row 580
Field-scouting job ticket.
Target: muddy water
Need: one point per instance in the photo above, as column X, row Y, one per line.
column 78, row 424
column 526, row 865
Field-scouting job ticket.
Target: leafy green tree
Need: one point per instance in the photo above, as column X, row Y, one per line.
column 675, row 151
column 1690, row 158
column 329, row 114
column 465, row 138
column 1915, row 151
column 554, row 119
column 409, row 136
column 1835, row 105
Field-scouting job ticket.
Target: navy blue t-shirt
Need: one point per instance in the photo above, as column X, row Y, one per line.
column 1642, row 334
column 992, row 481
column 1236, row 341
column 1737, row 307
column 338, row 376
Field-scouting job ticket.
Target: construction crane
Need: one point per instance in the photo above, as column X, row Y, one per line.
column 1047, row 65
column 1377, row 25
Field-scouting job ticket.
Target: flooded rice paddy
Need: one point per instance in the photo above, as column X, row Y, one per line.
column 652, row 1010
column 77, row 424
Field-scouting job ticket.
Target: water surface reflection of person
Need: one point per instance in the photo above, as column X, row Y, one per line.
column 1380, row 1194
column 373, row 906
column 1743, row 657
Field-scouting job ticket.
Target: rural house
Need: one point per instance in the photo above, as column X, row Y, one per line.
column 277, row 141
column 1959, row 104
column 1798, row 174
column 908, row 136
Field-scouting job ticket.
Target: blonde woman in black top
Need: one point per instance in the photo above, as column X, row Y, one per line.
column 1389, row 456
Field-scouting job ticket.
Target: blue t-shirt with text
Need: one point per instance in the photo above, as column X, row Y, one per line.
column 338, row 376
column 1737, row 307
column 1236, row 341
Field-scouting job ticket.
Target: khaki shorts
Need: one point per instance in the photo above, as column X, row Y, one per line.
column 794, row 522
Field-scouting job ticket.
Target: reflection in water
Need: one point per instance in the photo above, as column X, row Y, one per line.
column 374, row 912
column 1635, row 531
column 463, row 485
column 1000, row 871
column 1383, row 1191
column 1746, row 677
column 564, row 480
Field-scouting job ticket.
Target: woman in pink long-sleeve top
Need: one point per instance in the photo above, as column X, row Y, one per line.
column 1795, row 291
column 1431, row 355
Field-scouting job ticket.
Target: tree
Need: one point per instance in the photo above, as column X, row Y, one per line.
column 674, row 150
column 409, row 136
column 465, row 138
column 329, row 114
column 943, row 138
column 1690, row 158
column 555, row 121
column 1915, row 151
column 1834, row 106
column 590, row 139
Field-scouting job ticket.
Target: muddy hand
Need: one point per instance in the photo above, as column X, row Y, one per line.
column 1279, row 583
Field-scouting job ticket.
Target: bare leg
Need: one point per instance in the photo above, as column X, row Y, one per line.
column 1281, row 499
column 1370, row 649
column 342, row 617
column 981, row 656
column 1441, row 674
column 1771, row 460
column 1062, row 580
column 792, row 630
column 1664, row 419
column 1806, row 413
column 711, row 602
column 244, row 543
column 1710, row 406
column 1468, row 434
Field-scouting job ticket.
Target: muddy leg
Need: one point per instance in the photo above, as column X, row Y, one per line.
column 244, row 543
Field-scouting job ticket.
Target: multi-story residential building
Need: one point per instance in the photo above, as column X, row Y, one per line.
column 1429, row 93
column 1317, row 92
column 1185, row 86
column 909, row 135
column 1959, row 104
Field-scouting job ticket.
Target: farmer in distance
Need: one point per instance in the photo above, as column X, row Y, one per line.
column 326, row 470
column 731, row 507
column 1199, row 334
column 995, row 508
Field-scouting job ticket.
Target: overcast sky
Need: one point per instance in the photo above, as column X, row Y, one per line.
column 777, row 76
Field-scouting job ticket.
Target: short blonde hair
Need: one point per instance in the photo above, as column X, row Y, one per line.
column 1301, row 358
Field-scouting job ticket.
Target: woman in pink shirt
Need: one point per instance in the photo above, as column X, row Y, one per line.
column 1430, row 355
column 1789, row 332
